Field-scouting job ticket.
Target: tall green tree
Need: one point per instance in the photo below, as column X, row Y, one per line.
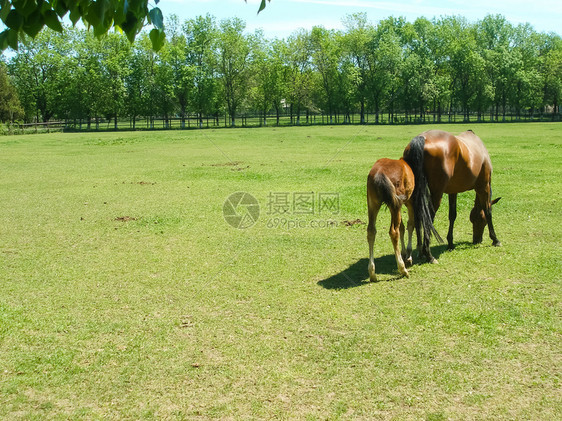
column 268, row 87
column 138, row 83
column 91, row 88
column 40, row 74
column 550, row 69
column 233, row 64
column 116, row 59
column 418, row 71
column 174, row 56
column 482, row 91
column 527, row 93
column 495, row 34
column 325, row 54
column 463, row 60
column 10, row 107
column 355, row 43
column 277, row 78
column 385, row 63
column 348, row 80
column 155, row 94
column 438, row 88
column 297, row 57
column 201, row 54
column 164, row 90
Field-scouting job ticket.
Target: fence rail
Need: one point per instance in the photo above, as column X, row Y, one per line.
column 254, row 120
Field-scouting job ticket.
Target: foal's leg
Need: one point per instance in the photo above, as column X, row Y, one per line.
column 452, row 217
column 402, row 231
column 394, row 233
column 374, row 208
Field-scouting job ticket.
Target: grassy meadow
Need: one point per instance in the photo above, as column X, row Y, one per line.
column 124, row 293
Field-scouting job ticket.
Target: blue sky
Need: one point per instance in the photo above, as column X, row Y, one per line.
column 282, row 17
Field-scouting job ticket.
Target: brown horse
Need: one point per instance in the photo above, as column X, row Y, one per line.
column 392, row 182
column 453, row 164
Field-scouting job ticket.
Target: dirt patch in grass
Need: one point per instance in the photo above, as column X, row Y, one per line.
column 227, row 164
column 348, row 223
column 125, row 218
column 236, row 165
column 142, row 183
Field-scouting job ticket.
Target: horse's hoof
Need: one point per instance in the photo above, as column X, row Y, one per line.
column 433, row 261
column 372, row 274
column 408, row 262
column 406, row 274
column 450, row 247
column 497, row 244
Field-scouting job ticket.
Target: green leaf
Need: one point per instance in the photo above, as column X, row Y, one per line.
column 96, row 15
column 119, row 13
column 4, row 39
column 33, row 24
column 44, row 6
column 92, row 15
column 14, row 20
column 129, row 26
column 25, row 7
column 13, row 39
column 262, row 5
column 130, row 33
column 74, row 14
column 4, row 9
column 52, row 21
column 60, row 8
column 156, row 18
column 157, row 37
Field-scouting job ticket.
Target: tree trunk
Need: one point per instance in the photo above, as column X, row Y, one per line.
column 362, row 119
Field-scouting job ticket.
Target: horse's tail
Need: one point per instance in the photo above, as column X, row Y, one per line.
column 385, row 190
column 423, row 208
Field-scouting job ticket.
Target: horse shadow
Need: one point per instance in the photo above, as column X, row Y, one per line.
column 357, row 274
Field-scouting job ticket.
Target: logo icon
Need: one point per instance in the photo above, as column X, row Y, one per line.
column 241, row 210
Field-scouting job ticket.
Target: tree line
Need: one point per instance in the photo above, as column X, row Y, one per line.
column 213, row 70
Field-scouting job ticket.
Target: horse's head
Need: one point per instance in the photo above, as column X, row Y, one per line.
column 479, row 222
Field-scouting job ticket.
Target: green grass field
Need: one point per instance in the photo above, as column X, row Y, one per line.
column 126, row 295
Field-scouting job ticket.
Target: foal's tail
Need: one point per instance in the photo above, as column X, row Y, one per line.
column 423, row 208
column 385, row 191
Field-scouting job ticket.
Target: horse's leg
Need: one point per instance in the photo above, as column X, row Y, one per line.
column 419, row 241
column 478, row 221
column 408, row 254
column 402, row 231
column 374, row 208
column 394, row 233
column 493, row 235
column 436, row 202
column 486, row 205
column 452, row 217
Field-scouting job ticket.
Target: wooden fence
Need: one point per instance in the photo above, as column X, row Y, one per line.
column 253, row 120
